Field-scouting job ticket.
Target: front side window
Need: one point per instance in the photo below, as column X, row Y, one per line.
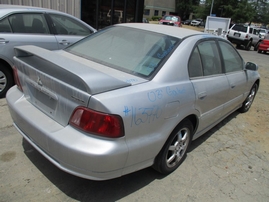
column 232, row 60
column 29, row 23
column 130, row 50
column 68, row 26
column 255, row 31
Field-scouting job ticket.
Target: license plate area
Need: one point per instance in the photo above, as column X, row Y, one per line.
column 237, row 34
column 42, row 98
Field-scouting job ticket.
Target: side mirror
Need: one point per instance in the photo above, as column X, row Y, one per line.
column 251, row 66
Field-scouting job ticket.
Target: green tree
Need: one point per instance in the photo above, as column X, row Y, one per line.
column 239, row 11
column 185, row 7
column 261, row 12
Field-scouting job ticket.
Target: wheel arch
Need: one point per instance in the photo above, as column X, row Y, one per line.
column 258, row 83
column 157, row 165
column 192, row 118
column 7, row 64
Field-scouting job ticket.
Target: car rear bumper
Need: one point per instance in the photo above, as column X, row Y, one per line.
column 263, row 47
column 237, row 40
column 73, row 151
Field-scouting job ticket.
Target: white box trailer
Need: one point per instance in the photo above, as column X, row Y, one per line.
column 217, row 25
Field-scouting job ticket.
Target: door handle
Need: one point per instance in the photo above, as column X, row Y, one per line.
column 3, row 41
column 64, row 42
column 202, row 95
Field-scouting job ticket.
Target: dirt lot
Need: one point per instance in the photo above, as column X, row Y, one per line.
column 228, row 163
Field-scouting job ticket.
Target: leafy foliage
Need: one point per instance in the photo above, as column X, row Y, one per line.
column 240, row 11
column 186, row 7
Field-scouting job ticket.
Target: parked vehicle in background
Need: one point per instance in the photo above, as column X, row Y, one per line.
column 264, row 45
column 187, row 22
column 262, row 33
column 217, row 26
column 24, row 25
column 127, row 104
column 244, row 35
column 171, row 20
column 145, row 20
column 197, row 22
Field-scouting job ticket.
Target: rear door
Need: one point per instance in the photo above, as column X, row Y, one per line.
column 25, row 29
column 210, row 83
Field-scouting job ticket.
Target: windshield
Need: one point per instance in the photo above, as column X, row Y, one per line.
column 172, row 18
column 130, row 50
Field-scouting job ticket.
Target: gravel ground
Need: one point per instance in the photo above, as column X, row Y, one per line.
column 228, row 163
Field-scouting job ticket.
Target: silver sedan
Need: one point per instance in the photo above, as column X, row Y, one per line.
column 25, row 25
column 137, row 99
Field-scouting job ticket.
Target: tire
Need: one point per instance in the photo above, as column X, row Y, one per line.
column 249, row 100
column 6, row 80
column 257, row 46
column 175, row 149
column 248, row 46
column 259, row 51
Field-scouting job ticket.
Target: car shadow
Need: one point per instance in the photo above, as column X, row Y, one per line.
column 110, row 190
column 209, row 133
column 87, row 190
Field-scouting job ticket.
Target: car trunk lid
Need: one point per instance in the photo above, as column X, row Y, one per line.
column 56, row 84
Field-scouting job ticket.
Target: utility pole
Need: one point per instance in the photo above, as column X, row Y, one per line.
column 211, row 7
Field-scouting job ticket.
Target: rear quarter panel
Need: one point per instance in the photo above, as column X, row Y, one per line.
column 152, row 110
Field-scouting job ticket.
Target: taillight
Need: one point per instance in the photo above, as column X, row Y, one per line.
column 97, row 123
column 246, row 36
column 16, row 78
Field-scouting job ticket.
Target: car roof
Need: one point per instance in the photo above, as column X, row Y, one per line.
column 178, row 32
column 6, row 9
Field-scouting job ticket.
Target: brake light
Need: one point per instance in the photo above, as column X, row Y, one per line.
column 16, row 78
column 98, row 123
column 246, row 36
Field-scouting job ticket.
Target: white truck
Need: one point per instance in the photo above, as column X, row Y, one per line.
column 217, row 25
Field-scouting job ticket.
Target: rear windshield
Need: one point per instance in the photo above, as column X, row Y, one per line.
column 130, row 50
column 240, row 28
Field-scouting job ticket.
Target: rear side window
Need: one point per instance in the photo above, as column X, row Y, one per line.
column 29, row 23
column 195, row 64
column 232, row 60
column 205, row 60
column 4, row 26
